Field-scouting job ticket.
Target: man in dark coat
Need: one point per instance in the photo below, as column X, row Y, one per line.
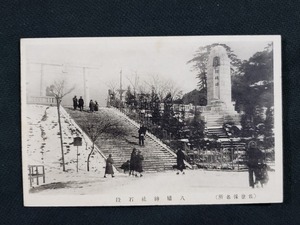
column 96, row 108
column 132, row 162
column 180, row 161
column 81, row 103
column 139, row 163
column 92, row 106
column 142, row 133
column 254, row 156
column 109, row 167
column 75, row 102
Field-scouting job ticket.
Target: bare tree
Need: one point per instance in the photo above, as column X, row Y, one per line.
column 112, row 85
column 58, row 91
column 172, row 88
column 144, row 88
column 134, row 82
column 162, row 87
column 97, row 125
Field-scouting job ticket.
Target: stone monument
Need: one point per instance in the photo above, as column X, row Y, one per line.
column 220, row 107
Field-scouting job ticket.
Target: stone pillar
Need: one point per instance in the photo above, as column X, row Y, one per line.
column 86, row 89
column 218, row 77
column 42, row 82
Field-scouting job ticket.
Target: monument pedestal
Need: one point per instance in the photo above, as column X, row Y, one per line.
column 216, row 114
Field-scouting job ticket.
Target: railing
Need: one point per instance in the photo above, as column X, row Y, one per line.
column 42, row 100
column 35, row 172
column 152, row 136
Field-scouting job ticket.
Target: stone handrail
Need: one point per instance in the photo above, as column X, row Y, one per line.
column 153, row 137
column 43, row 100
column 84, row 135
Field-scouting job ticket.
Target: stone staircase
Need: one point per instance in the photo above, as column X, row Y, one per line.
column 214, row 127
column 218, row 131
column 156, row 156
column 213, row 120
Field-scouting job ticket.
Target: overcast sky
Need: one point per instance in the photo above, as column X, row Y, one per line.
column 166, row 57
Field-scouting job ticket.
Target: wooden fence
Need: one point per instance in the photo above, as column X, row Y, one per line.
column 35, row 172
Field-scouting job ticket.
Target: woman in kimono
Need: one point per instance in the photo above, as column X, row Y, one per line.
column 109, row 167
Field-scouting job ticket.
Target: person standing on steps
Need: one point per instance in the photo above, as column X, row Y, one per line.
column 142, row 133
column 132, row 162
column 139, row 163
column 81, row 103
column 75, row 102
column 109, row 167
column 180, row 161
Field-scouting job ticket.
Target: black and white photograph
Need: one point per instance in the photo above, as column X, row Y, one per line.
column 135, row 121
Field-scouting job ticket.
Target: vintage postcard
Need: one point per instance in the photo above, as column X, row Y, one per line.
column 127, row 121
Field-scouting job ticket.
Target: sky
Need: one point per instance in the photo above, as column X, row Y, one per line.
column 165, row 57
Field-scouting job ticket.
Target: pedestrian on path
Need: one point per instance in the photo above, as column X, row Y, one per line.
column 180, row 161
column 139, row 163
column 132, row 162
column 255, row 157
column 96, row 108
column 109, row 166
column 81, row 103
column 92, row 106
column 75, row 104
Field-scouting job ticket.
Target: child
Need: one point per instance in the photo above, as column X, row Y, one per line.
column 261, row 174
column 125, row 166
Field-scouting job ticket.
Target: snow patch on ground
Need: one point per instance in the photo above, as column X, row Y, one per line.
column 194, row 181
column 43, row 145
column 43, row 148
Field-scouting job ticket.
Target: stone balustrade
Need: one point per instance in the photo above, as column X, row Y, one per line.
column 42, row 100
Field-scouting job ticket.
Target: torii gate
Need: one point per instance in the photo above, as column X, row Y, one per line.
column 86, row 89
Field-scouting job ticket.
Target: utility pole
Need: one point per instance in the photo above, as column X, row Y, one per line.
column 42, row 81
column 120, row 90
column 86, row 86
column 42, row 89
column 121, row 84
column 64, row 66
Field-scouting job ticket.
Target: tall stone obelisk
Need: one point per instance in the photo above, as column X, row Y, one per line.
column 219, row 79
column 220, row 107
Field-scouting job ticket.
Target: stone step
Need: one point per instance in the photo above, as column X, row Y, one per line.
column 156, row 157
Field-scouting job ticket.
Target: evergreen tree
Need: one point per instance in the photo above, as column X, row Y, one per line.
column 269, row 126
column 196, row 127
column 130, row 99
column 200, row 60
column 254, row 90
column 195, row 97
column 168, row 113
column 177, row 121
column 155, row 107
